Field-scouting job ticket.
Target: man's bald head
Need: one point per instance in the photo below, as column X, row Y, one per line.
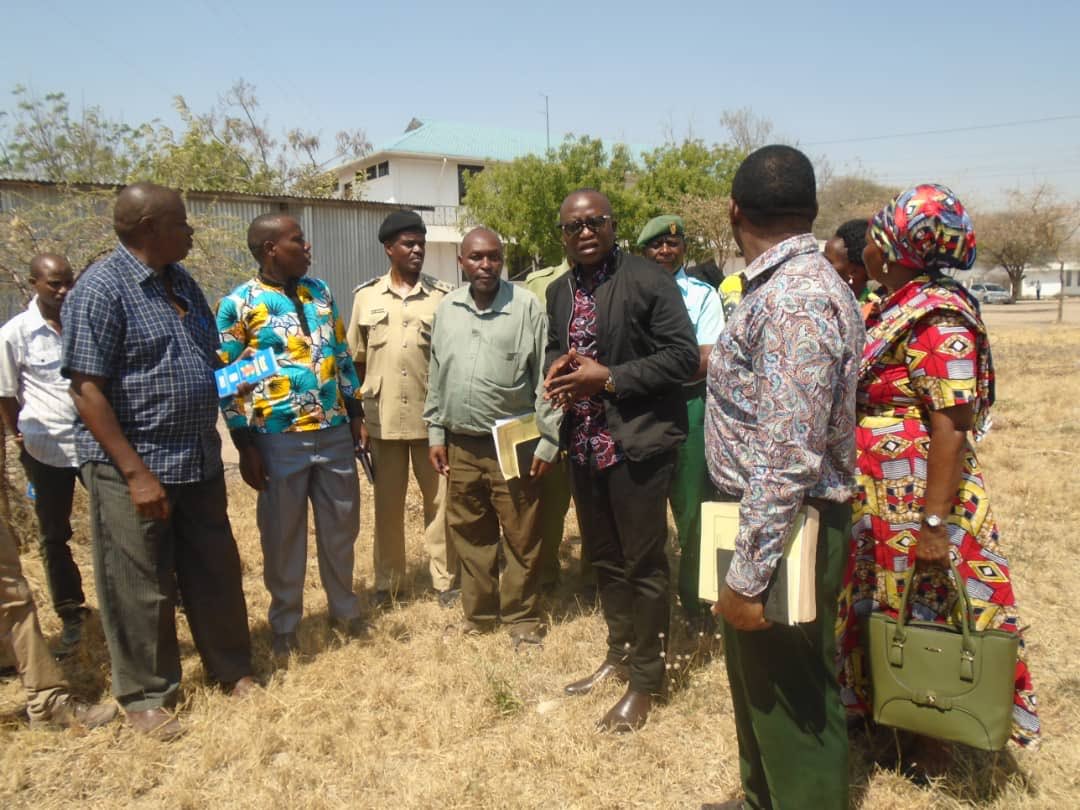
column 594, row 197
column 266, row 228
column 139, row 204
column 481, row 235
column 43, row 263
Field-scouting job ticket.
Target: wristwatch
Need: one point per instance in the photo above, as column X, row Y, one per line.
column 609, row 384
column 933, row 521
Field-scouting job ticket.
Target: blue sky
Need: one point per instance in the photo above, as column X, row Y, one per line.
column 834, row 77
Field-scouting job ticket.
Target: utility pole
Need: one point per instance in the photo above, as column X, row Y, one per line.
column 547, row 120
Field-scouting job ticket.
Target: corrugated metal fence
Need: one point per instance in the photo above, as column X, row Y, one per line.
column 343, row 233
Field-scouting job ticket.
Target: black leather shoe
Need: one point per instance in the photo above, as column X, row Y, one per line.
column 629, row 714
column 620, row 672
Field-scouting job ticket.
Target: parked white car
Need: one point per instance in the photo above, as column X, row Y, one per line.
column 991, row 293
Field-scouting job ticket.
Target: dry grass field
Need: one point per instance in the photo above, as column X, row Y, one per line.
column 420, row 718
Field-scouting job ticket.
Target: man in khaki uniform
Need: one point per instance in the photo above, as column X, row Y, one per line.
column 555, row 486
column 390, row 338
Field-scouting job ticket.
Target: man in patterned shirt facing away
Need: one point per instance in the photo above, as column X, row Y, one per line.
column 299, row 441
column 140, row 350
column 779, row 432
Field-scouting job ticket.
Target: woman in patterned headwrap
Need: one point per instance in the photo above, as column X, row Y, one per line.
column 926, row 383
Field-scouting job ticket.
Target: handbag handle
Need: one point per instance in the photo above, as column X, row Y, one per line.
column 899, row 636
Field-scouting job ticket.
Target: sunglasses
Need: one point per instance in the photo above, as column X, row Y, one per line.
column 594, row 224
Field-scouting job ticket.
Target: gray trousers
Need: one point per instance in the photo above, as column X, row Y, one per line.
column 320, row 466
column 138, row 564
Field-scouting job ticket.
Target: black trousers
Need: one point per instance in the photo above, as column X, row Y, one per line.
column 54, row 489
column 138, row 564
column 623, row 515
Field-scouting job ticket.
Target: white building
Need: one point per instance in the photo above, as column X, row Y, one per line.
column 425, row 168
column 1048, row 278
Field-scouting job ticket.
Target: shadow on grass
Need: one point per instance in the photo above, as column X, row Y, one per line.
column 974, row 777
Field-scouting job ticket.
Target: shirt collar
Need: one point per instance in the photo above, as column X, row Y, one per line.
column 606, row 269
column 779, row 253
column 34, row 319
column 681, row 278
column 139, row 272
column 423, row 285
column 501, row 304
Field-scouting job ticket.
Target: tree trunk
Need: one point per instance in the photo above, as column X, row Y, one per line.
column 1016, row 281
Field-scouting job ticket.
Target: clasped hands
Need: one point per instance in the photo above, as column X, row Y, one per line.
column 572, row 377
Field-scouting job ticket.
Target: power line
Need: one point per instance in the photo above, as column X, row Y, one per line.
column 972, row 128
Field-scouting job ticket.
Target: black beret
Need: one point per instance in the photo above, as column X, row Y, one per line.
column 400, row 221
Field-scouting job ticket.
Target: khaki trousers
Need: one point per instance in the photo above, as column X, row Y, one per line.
column 479, row 500
column 41, row 676
column 392, row 459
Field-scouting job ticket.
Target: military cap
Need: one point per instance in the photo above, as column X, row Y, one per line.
column 660, row 226
column 399, row 221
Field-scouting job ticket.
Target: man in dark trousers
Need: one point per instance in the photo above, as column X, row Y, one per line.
column 140, row 349
column 620, row 345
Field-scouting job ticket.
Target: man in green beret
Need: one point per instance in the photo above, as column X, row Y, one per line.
column 663, row 240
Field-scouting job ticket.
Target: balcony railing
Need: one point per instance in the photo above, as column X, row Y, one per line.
column 447, row 215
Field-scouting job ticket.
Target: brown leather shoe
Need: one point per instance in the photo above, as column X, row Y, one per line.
column 157, row 723
column 620, row 672
column 67, row 711
column 629, row 714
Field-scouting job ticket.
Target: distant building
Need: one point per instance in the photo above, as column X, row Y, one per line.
column 426, row 167
column 1047, row 275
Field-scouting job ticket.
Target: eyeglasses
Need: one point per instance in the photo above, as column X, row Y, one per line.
column 594, row 224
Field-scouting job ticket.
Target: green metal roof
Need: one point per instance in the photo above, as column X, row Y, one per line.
column 465, row 141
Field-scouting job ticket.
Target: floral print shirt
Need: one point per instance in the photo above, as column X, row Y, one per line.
column 315, row 375
column 590, row 439
column 780, row 413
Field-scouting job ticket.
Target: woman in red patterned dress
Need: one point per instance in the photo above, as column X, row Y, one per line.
column 926, row 384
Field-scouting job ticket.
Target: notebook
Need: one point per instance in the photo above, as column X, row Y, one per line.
column 791, row 595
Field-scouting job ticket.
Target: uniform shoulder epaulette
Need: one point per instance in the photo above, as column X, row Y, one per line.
column 367, row 283
column 438, row 284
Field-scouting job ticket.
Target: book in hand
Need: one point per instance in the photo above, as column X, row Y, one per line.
column 249, row 369
column 790, row 597
column 516, row 438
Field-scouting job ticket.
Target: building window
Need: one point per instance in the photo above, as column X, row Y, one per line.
column 371, row 172
column 346, row 191
column 384, row 168
column 1068, row 278
column 462, row 170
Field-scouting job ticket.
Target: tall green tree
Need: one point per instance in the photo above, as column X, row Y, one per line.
column 520, row 200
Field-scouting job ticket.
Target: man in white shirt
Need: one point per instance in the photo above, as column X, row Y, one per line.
column 38, row 411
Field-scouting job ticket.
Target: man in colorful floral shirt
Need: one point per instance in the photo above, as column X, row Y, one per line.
column 780, row 433
column 298, row 442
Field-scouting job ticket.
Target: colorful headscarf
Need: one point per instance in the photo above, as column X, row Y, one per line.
column 925, row 228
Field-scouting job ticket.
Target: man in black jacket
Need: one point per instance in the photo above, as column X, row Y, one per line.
column 620, row 345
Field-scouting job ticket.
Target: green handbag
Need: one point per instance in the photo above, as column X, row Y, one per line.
column 941, row 681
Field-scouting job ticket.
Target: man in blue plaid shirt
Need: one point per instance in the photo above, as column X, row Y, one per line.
column 140, row 348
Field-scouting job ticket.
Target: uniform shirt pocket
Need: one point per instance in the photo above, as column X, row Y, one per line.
column 376, row 323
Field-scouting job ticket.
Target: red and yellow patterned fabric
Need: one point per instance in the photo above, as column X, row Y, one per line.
column 926, row 350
